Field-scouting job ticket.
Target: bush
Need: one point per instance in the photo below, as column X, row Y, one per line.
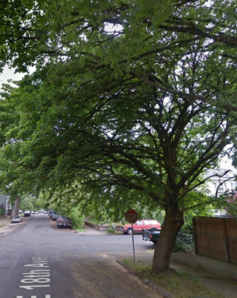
column 184, row 240
column 111, row 230
column 77, row 218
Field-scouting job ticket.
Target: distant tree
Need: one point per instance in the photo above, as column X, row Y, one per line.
column 2, row 209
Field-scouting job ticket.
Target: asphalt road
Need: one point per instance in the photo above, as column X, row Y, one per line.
column 38, row 260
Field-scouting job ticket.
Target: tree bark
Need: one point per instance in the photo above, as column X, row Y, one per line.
column 15, row 208
column 172, row 223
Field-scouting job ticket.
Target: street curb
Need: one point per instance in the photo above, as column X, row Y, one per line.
column 147, row 282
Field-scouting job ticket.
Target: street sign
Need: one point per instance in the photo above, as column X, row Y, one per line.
column 131, row 216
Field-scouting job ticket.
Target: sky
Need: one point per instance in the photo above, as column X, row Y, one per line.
column 9, row 74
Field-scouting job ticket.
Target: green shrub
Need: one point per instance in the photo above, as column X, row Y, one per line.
column 184, row 240
column 77, row 218
column 111, row 230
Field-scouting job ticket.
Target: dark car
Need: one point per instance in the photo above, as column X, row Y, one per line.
column 49, row 213
column 54, row 215
column 26, row 213
column 64, row 222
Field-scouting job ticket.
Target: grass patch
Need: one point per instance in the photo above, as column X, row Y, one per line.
column 112, row 231
column 80, row 230
column 177, row 283
column 3, row 224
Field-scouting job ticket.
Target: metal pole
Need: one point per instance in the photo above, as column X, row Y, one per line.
column 133, row 245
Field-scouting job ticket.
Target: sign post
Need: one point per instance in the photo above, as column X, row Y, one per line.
column 131, row 216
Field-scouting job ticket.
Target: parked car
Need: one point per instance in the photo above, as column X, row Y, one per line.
column 140, row 225
column 54, row 215
column 63, row 221
column 151, row 235
column 49, row 213
column 26, row 213
column 16, row 219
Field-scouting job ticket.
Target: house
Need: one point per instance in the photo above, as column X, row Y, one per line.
column 221, row 181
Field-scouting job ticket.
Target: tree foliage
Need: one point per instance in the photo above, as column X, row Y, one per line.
column 124, row 114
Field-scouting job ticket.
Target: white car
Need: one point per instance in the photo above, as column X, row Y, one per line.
column 16, row 218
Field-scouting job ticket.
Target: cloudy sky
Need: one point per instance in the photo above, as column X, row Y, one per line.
column 9, row 74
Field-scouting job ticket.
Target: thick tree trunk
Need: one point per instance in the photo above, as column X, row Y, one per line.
column 15, row 208
column 172, row 223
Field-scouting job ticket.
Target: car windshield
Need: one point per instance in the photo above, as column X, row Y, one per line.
column 150, row 222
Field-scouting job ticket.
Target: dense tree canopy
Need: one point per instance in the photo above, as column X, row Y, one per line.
column 131, row 113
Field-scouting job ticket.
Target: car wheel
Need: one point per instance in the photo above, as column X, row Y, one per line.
column 129, row 231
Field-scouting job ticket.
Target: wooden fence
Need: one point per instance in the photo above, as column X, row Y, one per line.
column 216, row 238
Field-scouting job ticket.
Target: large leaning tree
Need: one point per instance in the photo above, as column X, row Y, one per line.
column 131, row 113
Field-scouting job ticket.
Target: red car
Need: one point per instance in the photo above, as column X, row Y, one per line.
column 140, row 225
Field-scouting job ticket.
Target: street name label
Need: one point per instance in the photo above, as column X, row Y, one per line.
column 34, row 286
column 37, row 277
column 46, row 296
